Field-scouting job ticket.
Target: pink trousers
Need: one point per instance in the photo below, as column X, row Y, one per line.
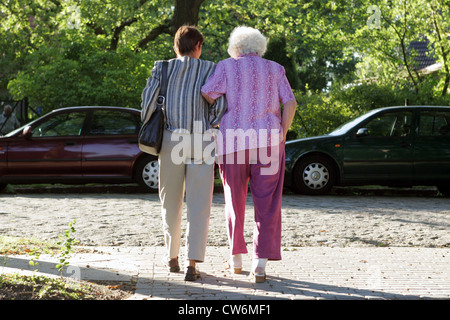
column 266, row 186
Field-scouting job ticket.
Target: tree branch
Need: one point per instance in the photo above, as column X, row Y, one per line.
column 165, row 27
column 402, row 36
column 117, row 31
column 443, row 52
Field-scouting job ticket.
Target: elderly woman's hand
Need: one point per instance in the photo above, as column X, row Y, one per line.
column 288, row 116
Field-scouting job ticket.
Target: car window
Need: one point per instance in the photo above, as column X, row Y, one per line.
column 434, row 123
column 64, row 124
column 107, row 122
column 394, row 124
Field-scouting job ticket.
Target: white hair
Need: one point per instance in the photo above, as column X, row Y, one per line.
column 244, row 40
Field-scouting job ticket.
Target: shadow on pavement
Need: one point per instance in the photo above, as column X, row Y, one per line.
column 208, row 287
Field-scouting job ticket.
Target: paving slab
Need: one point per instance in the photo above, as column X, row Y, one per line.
column 304, row 273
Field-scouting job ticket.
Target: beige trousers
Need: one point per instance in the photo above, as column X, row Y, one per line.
column 186, row 166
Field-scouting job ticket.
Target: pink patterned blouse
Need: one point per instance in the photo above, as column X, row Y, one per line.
column 254, row 88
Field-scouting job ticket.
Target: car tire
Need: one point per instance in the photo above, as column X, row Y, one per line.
column 313, row 175
column 147, row 173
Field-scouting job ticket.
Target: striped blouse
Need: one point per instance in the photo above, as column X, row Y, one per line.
column 186, row 110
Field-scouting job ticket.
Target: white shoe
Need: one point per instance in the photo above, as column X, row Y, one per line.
column 258, row 275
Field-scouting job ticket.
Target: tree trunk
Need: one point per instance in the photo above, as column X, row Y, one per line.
column 186, row 13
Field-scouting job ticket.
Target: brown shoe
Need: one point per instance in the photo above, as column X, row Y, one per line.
column 257, row 278
column 228, row 267
column 192, row 274
column 172, row 265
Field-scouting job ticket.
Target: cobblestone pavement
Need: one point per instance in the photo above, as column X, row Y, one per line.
column 311, row 273
column 334, row 247
column 108, row 217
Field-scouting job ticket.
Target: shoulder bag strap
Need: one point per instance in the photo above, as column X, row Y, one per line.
column 161, row 101
column 163, row 89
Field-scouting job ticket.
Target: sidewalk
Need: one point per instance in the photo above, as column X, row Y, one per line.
column 309, row 273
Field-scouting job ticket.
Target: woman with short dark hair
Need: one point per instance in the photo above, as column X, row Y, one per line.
column 186, row 159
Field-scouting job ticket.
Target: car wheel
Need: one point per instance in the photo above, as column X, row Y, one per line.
column 314, row 175
column 147, row 172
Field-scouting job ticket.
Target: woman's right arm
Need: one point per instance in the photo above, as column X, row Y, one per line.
column 208, row 98
column 288, row 116
column 149, row 93
column 216, row 84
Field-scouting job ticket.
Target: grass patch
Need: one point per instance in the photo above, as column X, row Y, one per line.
column 36, row 287
column 19, row 245
column 20, row 287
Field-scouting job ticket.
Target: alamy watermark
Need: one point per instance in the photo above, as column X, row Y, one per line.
column 234, row 146
column 74, row 20
column 374, row 20
column 374, row 280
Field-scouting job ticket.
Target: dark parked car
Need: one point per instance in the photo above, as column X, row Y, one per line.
column 78, row 145
column 396, row 146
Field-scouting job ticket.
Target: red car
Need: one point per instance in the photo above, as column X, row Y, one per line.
column 78, row 145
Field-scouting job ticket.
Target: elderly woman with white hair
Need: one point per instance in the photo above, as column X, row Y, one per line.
column 250, row 144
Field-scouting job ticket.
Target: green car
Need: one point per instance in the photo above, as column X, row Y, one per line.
column 396, row 146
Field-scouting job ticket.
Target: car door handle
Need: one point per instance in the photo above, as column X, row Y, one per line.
column 70, row 143
column 132, row 141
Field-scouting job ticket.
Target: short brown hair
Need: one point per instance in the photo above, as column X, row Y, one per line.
column 186, row 38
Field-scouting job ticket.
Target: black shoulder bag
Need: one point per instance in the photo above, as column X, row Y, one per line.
column 151, row 133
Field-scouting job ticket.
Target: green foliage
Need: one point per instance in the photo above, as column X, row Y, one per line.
column 66, row 242
column 318, row 113
column 34, row 248
column 19, row 245
column 43, row 288
column 321, row 112
column 277, row 51
column 81, row 76
column 60, row 54
column 345, row 57
column 364, row 97
column 386, row 53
